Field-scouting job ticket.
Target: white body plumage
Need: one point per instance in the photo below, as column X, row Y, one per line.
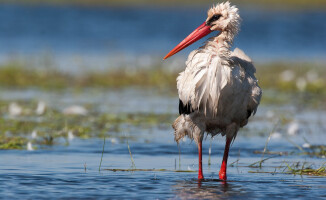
column 221, row 89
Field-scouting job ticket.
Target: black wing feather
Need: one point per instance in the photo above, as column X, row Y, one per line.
column 248, row 113
column 185, row 109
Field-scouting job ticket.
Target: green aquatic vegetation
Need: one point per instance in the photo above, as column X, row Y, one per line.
column 311, row 150
column 12, row 142
column 21, row 77
column 258, row 164
column 301, row 169
column 293, row 77
column 315, row 150
column 53, row 124
column 298, row 169
column 302, row 83
column 14, row 76
column 298, row 78
column 47, row 140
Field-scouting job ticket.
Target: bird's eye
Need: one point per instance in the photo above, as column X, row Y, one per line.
column 215, row 17
column 212, row 19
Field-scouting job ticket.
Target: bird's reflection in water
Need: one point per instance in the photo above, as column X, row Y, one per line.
column 207, row 189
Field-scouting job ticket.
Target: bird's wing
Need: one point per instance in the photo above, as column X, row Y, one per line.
column 239, row 57
column 202, row 81
column 255, row 92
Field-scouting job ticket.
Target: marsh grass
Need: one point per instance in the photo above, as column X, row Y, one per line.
column 13, row 142
column 53, row 125
column 236, row 161
column 297, row 169
column 133, row 166
column 303, row 78
column 315, row 151
column 258, row 164
column 312, row 151
column 21, row 77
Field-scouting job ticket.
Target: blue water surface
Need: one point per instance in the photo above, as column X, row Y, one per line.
column 68, row 30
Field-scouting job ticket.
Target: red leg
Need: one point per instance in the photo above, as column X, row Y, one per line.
column 200, row 170
column 222, row 173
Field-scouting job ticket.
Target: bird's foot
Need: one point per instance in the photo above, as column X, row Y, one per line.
column 222, row 176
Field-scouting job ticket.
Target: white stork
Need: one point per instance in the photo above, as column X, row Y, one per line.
column 218, row 90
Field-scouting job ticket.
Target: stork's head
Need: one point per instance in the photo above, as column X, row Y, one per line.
column 222, row 17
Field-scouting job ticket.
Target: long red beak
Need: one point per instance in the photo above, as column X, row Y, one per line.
column 198, row 33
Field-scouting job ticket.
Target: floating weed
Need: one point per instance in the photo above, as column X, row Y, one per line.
column 298, row 169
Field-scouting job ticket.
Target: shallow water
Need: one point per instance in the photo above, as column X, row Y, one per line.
column 72, row 171
column 60, row 172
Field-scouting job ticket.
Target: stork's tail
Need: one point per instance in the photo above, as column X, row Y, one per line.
column 184, row 126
